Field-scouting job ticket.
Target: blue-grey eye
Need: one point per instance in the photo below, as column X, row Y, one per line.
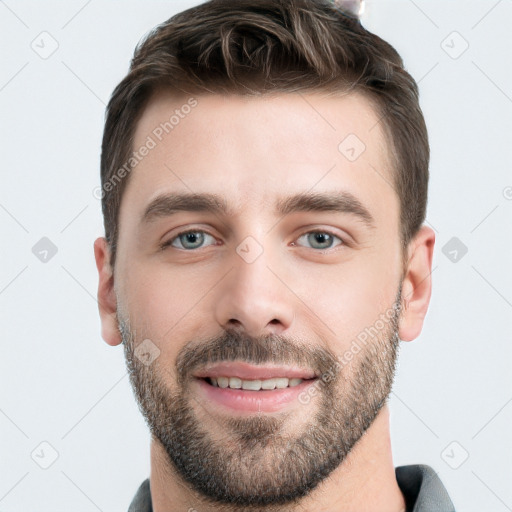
column 321, row 239
column 190, row 239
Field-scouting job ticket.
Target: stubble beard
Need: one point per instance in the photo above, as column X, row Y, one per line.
column 260, row 462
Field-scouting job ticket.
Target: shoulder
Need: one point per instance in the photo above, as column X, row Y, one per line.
column 423, row 489
column 142, row 500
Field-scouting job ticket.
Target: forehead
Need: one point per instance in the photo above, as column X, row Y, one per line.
column 251, row 150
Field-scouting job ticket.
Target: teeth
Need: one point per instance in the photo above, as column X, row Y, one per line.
column 235, row 383
column 268, row 384
column 281, row 383
column 223, row 382
column 254, row 385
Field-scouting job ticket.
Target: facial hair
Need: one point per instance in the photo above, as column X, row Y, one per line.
column 254, row 461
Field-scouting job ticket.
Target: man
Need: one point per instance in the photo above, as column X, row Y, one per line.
column 264, row 173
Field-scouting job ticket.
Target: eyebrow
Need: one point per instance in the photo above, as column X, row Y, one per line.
column 166, row 205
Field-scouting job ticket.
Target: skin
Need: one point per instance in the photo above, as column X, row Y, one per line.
column 253, row 151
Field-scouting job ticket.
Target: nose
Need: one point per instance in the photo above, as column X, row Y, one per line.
column 254, row 298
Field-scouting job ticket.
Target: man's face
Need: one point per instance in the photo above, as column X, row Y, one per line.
column 260, row 292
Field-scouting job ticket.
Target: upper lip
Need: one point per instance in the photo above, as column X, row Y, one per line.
column 246, row 371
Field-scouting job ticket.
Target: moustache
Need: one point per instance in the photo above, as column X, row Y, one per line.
column 236, row 346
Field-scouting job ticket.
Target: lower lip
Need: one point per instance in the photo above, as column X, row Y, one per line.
column 247, row 401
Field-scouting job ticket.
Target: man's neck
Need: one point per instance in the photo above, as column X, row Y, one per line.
column 364, row 482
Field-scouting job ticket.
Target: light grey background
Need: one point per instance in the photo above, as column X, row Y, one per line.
column 61, row 384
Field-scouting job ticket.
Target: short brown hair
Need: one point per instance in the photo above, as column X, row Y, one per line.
column 268, row 46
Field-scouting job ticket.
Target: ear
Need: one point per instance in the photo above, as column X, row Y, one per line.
column 107, row 302
column 417, row 284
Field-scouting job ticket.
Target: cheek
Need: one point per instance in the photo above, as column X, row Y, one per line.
column 166, row 305
column 351, row 297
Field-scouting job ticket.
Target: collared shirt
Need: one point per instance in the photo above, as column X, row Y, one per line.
column 422, row 489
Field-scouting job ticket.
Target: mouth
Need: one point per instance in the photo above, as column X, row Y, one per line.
column 248, row 372
column 241, row 388
column 254, row 385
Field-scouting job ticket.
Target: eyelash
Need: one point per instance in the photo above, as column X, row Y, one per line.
column 167, row 244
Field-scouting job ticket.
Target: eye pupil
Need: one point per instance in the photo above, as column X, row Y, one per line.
column 319, row 240
column 193, row 237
